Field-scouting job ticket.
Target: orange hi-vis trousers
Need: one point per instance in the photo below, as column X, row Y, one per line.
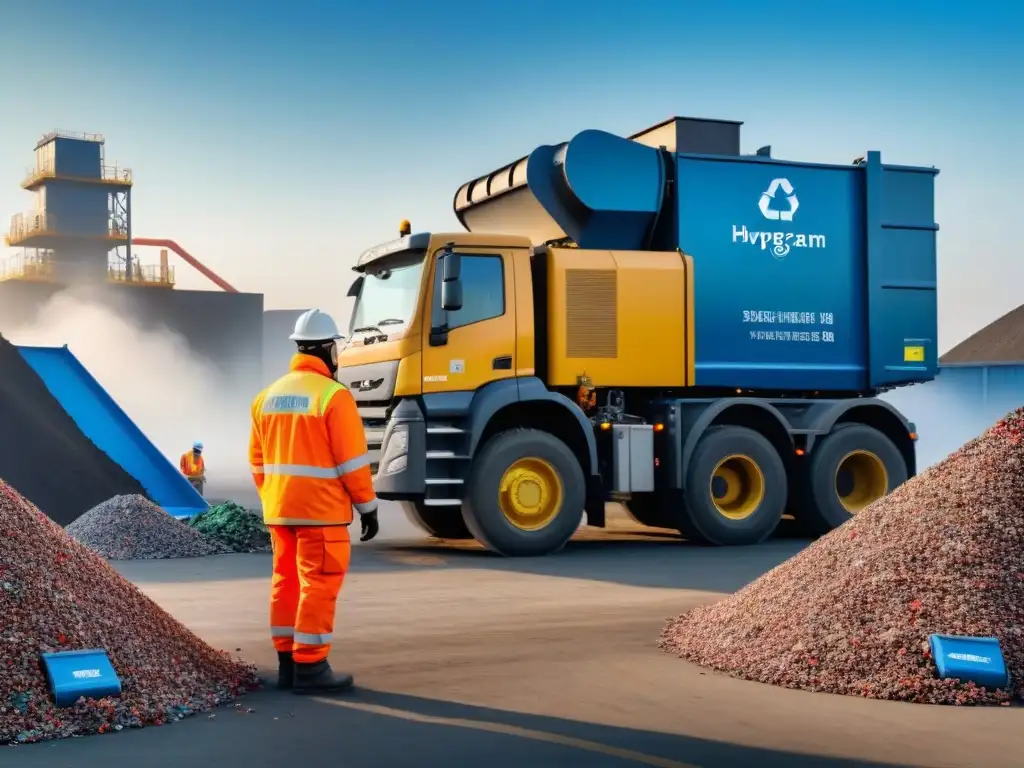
column 310, row 563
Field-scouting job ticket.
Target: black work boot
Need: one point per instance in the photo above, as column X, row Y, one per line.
column 285, row 671
column 320, row 678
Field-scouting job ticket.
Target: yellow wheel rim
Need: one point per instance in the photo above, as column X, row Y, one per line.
column 530, row 494
column 860, row 480
column 737, row 487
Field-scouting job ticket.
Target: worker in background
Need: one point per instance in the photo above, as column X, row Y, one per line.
column 193, row 467
column 311, row 466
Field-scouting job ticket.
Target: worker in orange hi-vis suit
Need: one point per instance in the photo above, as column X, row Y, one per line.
column 310, row 462
column 193, row 466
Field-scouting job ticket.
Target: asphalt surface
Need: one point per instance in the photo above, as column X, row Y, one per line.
column 462, row 658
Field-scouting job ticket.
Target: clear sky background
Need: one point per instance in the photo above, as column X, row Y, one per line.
column 276, row 140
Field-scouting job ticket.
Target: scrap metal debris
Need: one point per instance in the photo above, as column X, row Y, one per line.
column 851, row 614
column 234, row 526
column 134, row 528
column 65, row 597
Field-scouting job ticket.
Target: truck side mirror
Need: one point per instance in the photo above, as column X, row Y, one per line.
column 356, row 287
column 451, row 280
column 451, row 295
column 451, row 266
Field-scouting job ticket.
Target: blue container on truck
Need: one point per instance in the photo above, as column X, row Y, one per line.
column 658, row 320
column 808, row 276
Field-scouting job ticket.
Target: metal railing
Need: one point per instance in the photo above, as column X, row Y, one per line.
column 78, row 135
column 35, row 267
column 109, row 174
column 24, row 225
column 142, row 274
column 32, row 223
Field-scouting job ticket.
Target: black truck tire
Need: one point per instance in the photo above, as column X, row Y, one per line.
column 852, row 466
column 650, row 509
column 525, row 494
column 736, row 489
column 439, row 522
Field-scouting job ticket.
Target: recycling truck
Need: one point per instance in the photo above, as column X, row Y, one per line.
column 656, row 320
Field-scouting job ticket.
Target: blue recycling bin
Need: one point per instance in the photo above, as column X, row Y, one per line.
column 74, row 674
column 972, row 659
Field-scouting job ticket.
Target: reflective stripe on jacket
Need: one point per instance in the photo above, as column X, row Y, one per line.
column 308, row 449
column 191, row 465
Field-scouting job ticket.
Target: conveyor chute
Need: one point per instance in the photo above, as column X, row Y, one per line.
column 599, row 190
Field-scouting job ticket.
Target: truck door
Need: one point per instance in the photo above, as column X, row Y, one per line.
column 467, row 348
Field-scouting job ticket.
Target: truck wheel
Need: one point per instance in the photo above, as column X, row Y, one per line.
column 852, row 467
column 649, row 509
column 525, row 494
column 736, row 489
column 439, row 522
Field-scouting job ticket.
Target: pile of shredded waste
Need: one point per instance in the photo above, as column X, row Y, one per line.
column 234, row 526
column 134, row 528
column 852, row 613
column 58, row 595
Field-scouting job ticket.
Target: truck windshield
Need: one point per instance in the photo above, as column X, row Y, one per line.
column 388, row 295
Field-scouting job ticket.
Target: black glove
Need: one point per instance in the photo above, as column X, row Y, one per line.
column 369, row 525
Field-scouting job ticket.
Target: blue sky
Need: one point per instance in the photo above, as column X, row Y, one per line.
column 275, row 140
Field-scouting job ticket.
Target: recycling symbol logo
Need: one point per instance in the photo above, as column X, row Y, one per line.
column 769, row 196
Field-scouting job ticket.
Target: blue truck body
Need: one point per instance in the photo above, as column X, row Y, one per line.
column 808, row 277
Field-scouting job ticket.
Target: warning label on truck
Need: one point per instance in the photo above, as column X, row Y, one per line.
column 784, row 325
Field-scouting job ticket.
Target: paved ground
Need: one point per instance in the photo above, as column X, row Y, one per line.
column 465, row 659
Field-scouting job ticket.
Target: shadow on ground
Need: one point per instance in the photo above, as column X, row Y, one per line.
column 643, row 560
column 370, row 728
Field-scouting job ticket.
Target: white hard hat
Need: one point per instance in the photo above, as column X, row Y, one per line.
column 315, row 325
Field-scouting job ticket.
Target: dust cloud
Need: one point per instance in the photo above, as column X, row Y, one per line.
column 170, row 393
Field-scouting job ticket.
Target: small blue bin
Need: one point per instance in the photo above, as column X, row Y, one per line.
column 972, row 659
column 73, row 674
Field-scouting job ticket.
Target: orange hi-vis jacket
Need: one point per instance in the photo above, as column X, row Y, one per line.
column 192, row 465
column 308, row 449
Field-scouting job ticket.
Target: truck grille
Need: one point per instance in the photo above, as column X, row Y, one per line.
column 375, row 418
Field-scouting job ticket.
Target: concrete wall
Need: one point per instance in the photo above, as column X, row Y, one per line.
column 223, row 328
column 277, row 348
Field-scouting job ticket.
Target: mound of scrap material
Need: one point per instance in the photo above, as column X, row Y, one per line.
column 43, row 453
column 851, row 614
column 234, row 526
column 134, row 528
column 56, row 595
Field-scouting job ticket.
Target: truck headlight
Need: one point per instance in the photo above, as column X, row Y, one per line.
column 396, row 465
column 398, row 445
column 396, row 451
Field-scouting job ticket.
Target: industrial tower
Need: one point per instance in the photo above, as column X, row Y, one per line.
column 79, row 235
column 81, row 228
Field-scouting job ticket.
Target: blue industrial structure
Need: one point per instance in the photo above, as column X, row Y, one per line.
column 959, row 404
column 82, row 213
column 103, row 421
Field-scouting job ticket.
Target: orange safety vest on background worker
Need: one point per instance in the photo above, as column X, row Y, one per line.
column 192, row 464
column 310, row 463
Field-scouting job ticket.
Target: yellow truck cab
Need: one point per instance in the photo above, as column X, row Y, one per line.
column 657, row 320
column 418, row 355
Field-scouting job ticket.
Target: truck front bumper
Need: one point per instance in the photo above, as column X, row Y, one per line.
column 401, row 467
